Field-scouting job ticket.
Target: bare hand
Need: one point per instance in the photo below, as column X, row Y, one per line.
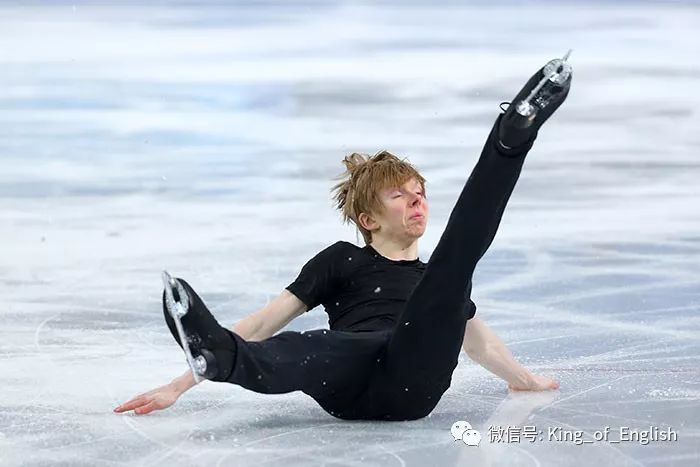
column 156, row 399
column 536, row 383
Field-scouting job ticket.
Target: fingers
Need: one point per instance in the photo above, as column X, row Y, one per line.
column 149, row 393
column 148, row 408
column 132, row 404
column 540, row 386
column 549, row 384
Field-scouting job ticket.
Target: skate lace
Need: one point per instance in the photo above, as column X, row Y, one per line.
column 501, row 105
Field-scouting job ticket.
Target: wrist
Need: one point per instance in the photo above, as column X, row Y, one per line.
column 182, row 383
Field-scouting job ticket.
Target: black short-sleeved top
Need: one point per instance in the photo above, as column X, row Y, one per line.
column 360, row 289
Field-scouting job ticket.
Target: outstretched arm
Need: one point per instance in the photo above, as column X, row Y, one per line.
column 487, row 349
column 257, row 326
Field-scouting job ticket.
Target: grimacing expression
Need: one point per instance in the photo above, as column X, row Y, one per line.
column 405, row 211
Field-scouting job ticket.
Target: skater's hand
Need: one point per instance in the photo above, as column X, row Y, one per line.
column 156, row 399
column 535, row 383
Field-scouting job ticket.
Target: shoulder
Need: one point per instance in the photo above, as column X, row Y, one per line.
column 348, row 249
column 339, row 246
column 342, row 246
column 346, row 246
column 336, row 251
column 344, row 255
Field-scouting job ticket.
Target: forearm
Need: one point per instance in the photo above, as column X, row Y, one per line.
column 251, row 328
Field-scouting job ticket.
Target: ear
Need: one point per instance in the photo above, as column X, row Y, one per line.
column 367, row 221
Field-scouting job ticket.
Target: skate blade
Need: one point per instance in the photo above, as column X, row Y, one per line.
column 177, row 303
column 555, row 73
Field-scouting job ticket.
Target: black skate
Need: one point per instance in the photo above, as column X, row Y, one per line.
column 535, row 103
column 209, row 348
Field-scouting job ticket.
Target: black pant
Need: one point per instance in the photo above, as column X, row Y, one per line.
column 402, row 373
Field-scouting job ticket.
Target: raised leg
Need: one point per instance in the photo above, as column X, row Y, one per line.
column 423, row 349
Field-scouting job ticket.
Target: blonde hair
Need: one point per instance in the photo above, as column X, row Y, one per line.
column 362, row 181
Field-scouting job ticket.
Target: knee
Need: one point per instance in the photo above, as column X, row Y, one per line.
column 415, row 414
column 417, row 407
column 412, row 413
column 425, row 409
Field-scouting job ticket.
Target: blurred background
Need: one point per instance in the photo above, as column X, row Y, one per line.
column 203, row 138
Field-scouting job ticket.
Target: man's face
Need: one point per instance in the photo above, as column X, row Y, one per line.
column 405, row 211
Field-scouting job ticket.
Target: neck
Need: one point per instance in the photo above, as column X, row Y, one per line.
column 396, row 250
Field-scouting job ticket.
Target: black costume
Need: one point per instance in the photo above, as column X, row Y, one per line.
column 360, row 289
column 397, row 327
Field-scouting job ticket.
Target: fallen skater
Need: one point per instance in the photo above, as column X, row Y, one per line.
column 397, row 324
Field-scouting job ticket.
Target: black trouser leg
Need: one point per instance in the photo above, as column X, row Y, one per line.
column 327, row 365
column 424, row 348
column 333, row 367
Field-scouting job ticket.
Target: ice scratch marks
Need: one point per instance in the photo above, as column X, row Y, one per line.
column 402, row 463
column 624, row 352
column 222, row 460
column 625, row 289
column 538, row 267
column 39, row 395
column 542, row 339
column 560, row 314
column 38, row 330
column 624, row 370
column 526, row 453
column 559, row 423
column 580, row 393
column 127, row 420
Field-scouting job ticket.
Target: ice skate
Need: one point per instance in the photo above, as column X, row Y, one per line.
column 206, row 344
column 535, row 103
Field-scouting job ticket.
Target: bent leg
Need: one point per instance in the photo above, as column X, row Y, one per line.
column 425, row 345
column 325, row 364
column 322, row 363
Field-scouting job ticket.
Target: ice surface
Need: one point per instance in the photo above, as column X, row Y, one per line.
column 204, row 140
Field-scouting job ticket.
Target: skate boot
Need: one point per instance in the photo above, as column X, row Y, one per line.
column 209, row 348
column 535, row 103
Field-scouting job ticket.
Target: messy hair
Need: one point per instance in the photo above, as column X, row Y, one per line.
column 362, row 181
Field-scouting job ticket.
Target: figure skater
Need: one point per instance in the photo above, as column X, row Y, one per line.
column 397, row 324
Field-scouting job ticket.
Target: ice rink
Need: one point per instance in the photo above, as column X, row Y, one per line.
column 205, row 139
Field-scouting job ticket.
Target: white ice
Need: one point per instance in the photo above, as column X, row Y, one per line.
column 204, row 140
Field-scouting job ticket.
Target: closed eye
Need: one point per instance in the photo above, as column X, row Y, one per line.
column 398, row 195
